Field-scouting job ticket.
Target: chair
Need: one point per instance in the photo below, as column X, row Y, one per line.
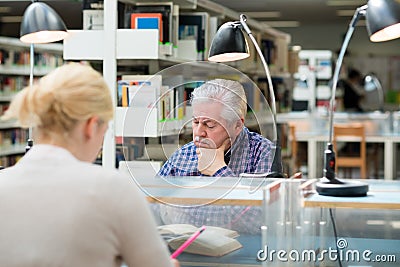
column 289, row 152
column 356, row 154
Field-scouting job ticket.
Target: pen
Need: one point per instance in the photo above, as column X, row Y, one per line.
column 187, row 242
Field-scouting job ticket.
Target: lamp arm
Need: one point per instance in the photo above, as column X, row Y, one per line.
column 380, row 95
column 359, row 11
column 381, row 100
column 276, row 168
column 32, row 63
column 265, row 65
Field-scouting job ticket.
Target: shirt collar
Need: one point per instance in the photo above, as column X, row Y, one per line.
column 48, row 152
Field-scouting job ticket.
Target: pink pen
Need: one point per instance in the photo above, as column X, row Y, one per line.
column 187, row 242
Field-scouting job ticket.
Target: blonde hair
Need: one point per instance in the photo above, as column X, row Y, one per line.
column 67, row 95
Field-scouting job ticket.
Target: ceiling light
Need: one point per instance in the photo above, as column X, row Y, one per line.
column 282, row 23
column 295, row 48
column 11, row 19
column 264, row 14
column 345, row 2
column 5, row 9
column 395, row 224
column 375, row 222
column 345, row 13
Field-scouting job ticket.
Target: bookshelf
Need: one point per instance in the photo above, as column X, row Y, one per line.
column 113, row 46
column 314, row 73
column 14, row 75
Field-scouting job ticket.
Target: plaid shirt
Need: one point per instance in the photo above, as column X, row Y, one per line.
column 251, row 153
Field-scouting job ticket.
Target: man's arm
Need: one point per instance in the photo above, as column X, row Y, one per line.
column 166, row 169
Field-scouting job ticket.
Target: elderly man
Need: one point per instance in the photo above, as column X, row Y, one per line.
column 222, row 145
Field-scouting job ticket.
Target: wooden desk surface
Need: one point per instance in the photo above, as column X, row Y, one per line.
column 382, row 195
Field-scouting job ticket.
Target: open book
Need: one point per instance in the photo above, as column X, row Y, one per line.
column 214, row 241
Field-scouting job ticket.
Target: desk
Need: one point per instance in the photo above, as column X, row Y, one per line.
column 227, row 191
column 314, row 129
column 367, row 223
column 294, row 221
column 381, row 195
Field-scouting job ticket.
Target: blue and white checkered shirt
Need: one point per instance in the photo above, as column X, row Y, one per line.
column 250, row 153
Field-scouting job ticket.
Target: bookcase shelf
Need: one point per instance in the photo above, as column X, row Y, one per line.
column 24, row 70
column 14, row 75
column 130, row 44
column 140, row 122
column 8, row 124
column 6, row 98
column 183, row 4
column 131, row 47
column 14, row 43
column 12, row 150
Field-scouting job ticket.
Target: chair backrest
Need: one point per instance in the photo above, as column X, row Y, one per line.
column 351, row 133
column 289, row 146
column 292, row 142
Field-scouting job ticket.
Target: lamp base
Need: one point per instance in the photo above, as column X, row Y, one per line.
column 336, row 188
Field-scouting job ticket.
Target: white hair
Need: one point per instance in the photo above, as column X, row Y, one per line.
column 227, row 92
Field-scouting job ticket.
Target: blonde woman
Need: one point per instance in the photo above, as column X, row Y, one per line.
column 58, row 209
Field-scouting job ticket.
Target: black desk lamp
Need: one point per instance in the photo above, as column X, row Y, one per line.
column 40, row 24
column 383, row 24
column 229, row 44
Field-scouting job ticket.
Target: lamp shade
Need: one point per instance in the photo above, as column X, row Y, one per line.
column 229, row 44
column 383, row 20
column 41, row 24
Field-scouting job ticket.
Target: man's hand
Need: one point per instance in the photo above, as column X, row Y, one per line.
column 211, row 159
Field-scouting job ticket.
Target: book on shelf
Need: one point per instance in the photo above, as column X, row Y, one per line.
column 3, row 108
column 195, row 26
column 128, row 86
column 148, row 21
column 166, row 9
column 93, row 19
column 214, row 241
column 9, row 160
column 148, row 91
column 155, row 80
column 253, row 95
column 140, row 96
column 268, row 48
column 92, row 4
column 166, row 103
column 176, row 85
